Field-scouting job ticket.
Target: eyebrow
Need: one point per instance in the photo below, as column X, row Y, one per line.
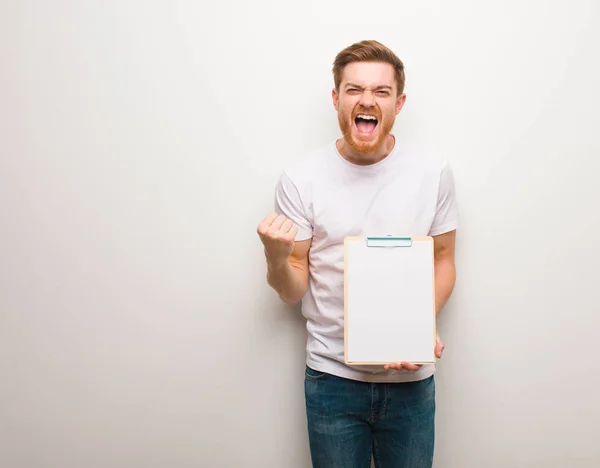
column 354, row 85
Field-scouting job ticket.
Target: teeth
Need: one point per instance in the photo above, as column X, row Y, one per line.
column 367, row 117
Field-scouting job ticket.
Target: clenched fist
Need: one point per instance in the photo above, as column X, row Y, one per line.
column 277, row 234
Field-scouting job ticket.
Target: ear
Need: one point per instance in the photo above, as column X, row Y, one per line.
column 336, row 98
column 400, row 103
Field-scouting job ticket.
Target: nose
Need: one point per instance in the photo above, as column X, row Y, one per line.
column 367, row 99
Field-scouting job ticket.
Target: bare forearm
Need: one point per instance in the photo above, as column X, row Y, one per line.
column 288, row 281
column 445, row 278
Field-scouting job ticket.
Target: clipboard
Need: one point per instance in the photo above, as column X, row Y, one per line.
column 389, row 300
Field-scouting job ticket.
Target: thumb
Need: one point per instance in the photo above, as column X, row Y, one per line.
column 439, row 347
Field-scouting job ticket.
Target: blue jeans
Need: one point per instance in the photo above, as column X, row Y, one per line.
column 350, row 421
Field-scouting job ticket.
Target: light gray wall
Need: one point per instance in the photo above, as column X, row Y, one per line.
column 140, row 143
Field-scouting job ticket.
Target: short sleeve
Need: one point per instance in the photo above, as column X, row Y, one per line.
column 289, row 203
column 446, row 215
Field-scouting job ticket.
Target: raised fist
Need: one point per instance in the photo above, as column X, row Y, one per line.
column 277, row 234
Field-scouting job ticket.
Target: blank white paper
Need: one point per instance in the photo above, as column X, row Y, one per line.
column 390, row 308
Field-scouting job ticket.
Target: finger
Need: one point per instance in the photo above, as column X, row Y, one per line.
column 263, row 227
column 439, row 349
column 276, row 225
column 291, row 235
column 439, row 346
column 270, row 218
column 393, row 365
column 286, row 226
column 409, row 366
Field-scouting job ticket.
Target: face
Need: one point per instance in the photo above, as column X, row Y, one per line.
column 367, row 104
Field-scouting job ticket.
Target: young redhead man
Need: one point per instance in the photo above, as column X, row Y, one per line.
column 358, row 184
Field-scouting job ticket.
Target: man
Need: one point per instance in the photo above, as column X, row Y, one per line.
column 360, row 184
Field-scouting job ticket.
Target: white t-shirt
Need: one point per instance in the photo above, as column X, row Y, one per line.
column 329, row 198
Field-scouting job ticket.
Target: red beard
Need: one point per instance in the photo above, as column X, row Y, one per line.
column 383, row 128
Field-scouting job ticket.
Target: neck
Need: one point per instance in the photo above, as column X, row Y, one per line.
column 368, row 158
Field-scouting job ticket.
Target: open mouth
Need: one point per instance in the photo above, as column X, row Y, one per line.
column 366, row 123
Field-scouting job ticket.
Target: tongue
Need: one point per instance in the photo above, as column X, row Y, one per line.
column 366, row 126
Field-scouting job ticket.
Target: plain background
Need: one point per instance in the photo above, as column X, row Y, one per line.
column 140, row 143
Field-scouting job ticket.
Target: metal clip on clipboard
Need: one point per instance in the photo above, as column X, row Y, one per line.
column 388, row 241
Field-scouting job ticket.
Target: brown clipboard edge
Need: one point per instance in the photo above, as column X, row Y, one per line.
column 349, row 239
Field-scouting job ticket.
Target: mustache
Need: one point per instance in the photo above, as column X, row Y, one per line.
column 363, row 110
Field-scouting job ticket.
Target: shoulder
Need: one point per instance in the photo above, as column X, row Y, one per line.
column 430, row 162
column 430, row 167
